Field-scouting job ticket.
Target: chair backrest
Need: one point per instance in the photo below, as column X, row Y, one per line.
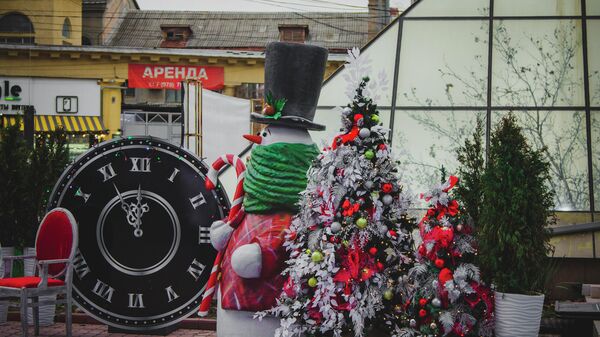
column 56, row 239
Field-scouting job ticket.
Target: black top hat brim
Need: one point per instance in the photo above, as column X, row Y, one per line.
column 289, row 121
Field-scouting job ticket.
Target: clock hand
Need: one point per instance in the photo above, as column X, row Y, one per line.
column 123, row 204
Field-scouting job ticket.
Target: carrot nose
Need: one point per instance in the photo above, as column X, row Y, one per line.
column 254, row 139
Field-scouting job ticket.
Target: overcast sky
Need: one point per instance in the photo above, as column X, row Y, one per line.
column 266, row 5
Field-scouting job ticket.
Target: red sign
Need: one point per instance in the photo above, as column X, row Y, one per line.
column 159, row 76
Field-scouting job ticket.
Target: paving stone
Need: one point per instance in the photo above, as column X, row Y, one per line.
column 13, row 329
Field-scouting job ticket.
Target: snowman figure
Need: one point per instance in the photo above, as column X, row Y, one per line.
column 254, row 256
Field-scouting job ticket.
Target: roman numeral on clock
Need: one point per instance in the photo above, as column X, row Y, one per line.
column 172, row 177
column 204, row 236
column 107, row 172
column 140, row 164
column 196, row 269
column 103, row 290
column 198, row 200
column 81, row 267
column 136, row 301
column 171, row 294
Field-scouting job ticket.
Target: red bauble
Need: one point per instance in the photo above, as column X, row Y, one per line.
column 268, row 110
column 358, row 117
column 346, row 204
column 333, row 239
column 292, row 236
column 423, row 302
column 386, row 188
column 382, row 146
column 393, row 233
column 373, row 251
column 445, row 275
column 422, row 313
column 439, row 263
column 422, row 250
column 380, row 266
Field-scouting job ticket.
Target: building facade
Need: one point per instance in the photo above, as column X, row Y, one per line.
column 137, row 59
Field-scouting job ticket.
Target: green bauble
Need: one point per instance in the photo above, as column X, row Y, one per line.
column 316, row 257
column 361, row 223
column 312, row 282
column 375, row 118
column 388, row 295
column 369, row 154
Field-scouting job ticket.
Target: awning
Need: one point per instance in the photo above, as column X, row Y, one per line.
column 72, row 124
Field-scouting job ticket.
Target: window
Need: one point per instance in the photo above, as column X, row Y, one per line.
column 16, row 23
column 458, row 60
column 66, row 28
column 130, row 92
column 175, row 36
column 250, row 90
column 172, row 96
column 293, row 33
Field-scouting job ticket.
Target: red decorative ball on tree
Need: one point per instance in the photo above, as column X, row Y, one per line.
column 292, row 236
column 445, row 275
column 373, row 250
column 422, row 313
column 358, row 117
column 382, row 146
column 423, row 302
column 393, row 233
column 380, row 266
column 439, row 263
column 386, row 188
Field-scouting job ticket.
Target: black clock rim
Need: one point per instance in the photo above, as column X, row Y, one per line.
column 222, row 200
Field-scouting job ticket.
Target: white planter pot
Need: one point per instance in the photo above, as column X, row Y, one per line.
column 5, row 271
column 518, row 315
column 46, row 312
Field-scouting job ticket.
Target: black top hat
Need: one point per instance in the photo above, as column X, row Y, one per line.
column 294, row 73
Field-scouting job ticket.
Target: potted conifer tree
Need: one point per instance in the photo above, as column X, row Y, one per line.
column 513, row 215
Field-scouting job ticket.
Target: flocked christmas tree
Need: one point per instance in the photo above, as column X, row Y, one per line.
column 448, row 298
column 351, row 242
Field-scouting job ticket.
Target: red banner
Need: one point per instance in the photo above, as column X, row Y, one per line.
column 161, row 76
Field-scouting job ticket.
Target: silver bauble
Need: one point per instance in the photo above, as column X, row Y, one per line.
column 435, row 283
column 364, row 133
column 387, row 199
column 368, row 184
column 433, row 326
column 436, row 302
column 413, row 323
column 336, row 227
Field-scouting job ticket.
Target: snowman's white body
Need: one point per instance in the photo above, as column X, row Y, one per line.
column 246, row 260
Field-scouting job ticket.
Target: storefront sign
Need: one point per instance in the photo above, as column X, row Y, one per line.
column 157, row 76
column 50, row 96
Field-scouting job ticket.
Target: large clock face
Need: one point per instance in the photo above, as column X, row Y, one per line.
column 144, row 253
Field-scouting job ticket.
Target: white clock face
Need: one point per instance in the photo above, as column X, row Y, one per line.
column 144, row 253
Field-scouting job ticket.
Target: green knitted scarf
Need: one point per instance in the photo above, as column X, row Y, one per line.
column 275, row 176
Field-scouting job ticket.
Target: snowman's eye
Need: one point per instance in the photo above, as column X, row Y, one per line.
column 264, row 134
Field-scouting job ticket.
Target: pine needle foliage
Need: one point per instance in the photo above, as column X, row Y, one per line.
column 515, row 212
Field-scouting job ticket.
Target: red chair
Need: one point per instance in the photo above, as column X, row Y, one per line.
column 55, row 246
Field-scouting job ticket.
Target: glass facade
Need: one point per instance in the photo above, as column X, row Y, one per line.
column 450, row 62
